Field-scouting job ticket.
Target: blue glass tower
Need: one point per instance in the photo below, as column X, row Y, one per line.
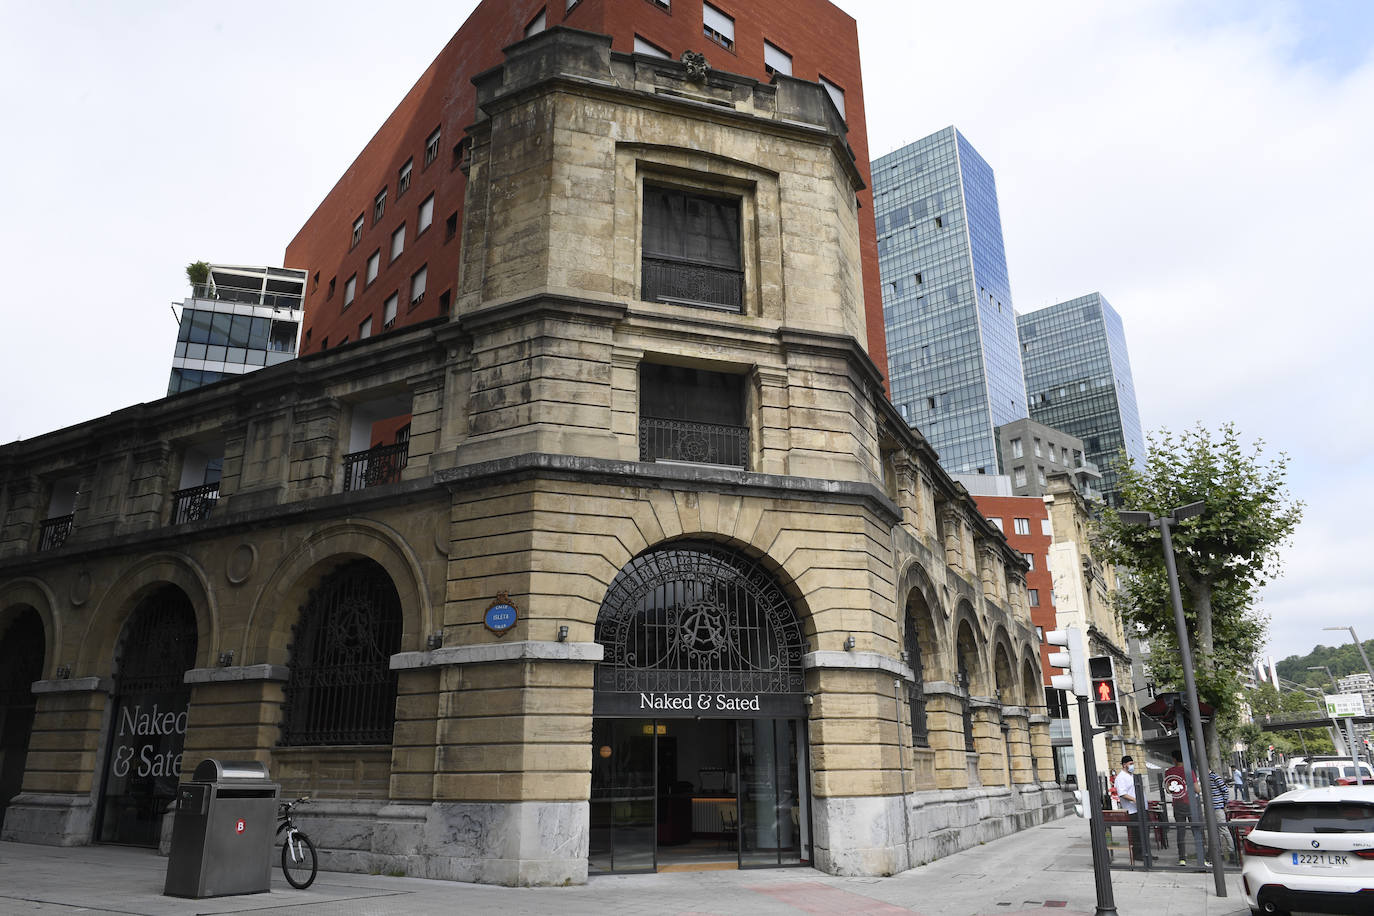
column 1078, row 374
column 954, row 369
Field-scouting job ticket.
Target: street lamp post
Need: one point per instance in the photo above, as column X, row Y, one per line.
column 1358, row 645
column 1164, row 523
column 1359, row 777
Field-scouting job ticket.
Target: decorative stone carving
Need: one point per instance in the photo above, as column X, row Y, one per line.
column 697, row 67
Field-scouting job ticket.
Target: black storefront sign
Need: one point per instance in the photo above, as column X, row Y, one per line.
column 701, row 705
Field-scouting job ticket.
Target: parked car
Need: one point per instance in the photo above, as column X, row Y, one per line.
column 1269, row 782
column 1313, row 850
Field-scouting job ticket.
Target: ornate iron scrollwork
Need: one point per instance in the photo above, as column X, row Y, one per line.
column 692, row 616
column 342, row 689
column 158, row 645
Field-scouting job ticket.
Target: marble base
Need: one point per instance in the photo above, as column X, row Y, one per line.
column 867, row 836
column 524, row 844
column 49, row 820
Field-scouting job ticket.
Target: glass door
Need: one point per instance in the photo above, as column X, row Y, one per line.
column 772, row 815
column 624, row 786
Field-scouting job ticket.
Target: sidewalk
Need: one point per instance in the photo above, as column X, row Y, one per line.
column 1043, row 870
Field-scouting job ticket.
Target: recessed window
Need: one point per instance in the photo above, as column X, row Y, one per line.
column 1038, row 453
column 776, row 60
column 1040, row 474
column 389, row 311
column 432, row 147
column 373, row 263
column 718, row 27
column 1021, row 525
column 692, row 249
column 350, row 290
column 939, row 222
column 1030, row 560
column 450, row 226
column 836, row 94
column 537, row 24
column 1016, row 448
column 357, row 232
column 1052, row 451
column 417, row 285
column 662, row 4
column 1019, row 477
column 1034, row 595
column 365, row 329
column 1045, row 528
column 403, row 178
column 643, row 46
column 379, row 205
column 398, row 242
column 425, row 215
column 330, row 293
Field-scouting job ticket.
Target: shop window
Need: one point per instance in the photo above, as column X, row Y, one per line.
column 341, row 688
column 692, row 249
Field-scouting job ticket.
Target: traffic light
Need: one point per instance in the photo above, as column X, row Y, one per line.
column 1074, row 660
column 1104, row 690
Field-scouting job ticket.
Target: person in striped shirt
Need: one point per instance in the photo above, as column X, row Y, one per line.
column 1220, row 796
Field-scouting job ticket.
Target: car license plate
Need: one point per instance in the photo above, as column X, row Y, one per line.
column 1321, row 859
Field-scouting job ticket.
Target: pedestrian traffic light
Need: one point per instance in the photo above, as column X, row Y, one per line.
column 1074, row 660
column 1104, row 697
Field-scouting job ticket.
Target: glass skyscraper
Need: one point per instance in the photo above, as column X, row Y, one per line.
column 1078, row 374
column 954, row 370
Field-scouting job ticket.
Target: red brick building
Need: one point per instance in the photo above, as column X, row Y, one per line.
column 382, row 248
column 1026, row 523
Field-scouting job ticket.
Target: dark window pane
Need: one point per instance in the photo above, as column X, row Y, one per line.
column 219, row 329
column 238, row 330
column 257, row 336
column 200, row 327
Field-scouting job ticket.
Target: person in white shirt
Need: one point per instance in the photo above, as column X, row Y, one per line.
column 1125, row 792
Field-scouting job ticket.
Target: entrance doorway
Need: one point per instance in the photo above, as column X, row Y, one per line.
column 21, row 663
column 685, row 794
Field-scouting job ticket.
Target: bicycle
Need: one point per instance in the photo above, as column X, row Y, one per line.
column 298, row 860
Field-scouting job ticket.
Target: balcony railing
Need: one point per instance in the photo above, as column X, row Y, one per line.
column 698, row 443
column 375, row 466
column 249, row 296
column 194, row 503
column 53, row 532
column 692, row 284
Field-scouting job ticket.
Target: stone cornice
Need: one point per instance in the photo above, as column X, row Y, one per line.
column 856, row 660
column 75, row 685
column 533, row 650
column 237, row 673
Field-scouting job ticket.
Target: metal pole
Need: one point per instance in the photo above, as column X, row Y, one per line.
column 1359, row 645
column 1194, row 714
column 1097, row 826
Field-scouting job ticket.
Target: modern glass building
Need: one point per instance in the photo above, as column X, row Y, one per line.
column 1078, row 376
column 238, row 320
column 954, row 370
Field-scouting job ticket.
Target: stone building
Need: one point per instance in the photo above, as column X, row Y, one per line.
column 1083, row 589
column 656, row 567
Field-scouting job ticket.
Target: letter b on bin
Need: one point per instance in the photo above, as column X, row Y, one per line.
column 226, row 817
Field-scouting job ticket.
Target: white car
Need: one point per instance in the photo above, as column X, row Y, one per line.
column 1312, row 851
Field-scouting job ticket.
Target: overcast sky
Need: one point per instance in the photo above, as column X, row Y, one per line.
column 1206, row 166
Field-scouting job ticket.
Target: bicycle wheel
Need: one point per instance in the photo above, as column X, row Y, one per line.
column 298, row 860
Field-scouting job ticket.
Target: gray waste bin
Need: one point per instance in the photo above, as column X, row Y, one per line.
column 226, row 818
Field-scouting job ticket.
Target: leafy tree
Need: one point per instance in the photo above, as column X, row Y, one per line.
column 1223, row 556
column 197, row 272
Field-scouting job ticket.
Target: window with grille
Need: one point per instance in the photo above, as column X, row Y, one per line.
column 341, row 688
column 692, row 249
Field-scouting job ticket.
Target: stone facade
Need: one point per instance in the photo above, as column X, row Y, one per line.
column 525, row 481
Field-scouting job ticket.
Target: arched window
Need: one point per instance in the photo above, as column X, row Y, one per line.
column 21, row 663
column 342, row 689
column 692, row 616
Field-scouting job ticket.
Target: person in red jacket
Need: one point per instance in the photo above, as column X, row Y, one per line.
column 1176, row 787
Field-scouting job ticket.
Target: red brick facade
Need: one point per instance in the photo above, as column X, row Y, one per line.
column 821, row 38
column 1035, row 542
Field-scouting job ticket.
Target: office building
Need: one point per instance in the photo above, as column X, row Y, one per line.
column 1029, row 453
column 652, row 580
column 1078, row 379
column 238, row 320
column 955, row 373
column 382, row 248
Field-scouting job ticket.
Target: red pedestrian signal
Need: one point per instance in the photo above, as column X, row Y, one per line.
column 1103, row 676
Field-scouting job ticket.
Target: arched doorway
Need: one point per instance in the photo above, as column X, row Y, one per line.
column 21, row 663
column 699, row 740
column 148, row 717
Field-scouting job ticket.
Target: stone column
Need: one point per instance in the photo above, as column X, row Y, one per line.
column 426, row 418
column 1019, row 745
column 945, row 729
column 771, row 423
column 150, row 487
column 235, row 712
column 987, row 741
column 56, row 806
column 1041, row 750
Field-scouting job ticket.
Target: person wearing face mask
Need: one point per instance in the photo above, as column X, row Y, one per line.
column 1125, row 791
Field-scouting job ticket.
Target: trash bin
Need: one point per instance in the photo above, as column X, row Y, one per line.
column 226, row 818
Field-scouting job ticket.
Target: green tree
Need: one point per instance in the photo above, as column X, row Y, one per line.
column 197, row 272
column 1223, row 556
